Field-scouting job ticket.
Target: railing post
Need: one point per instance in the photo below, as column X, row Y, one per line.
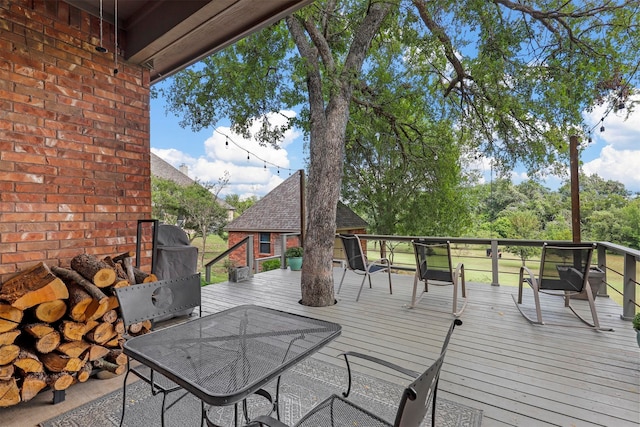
column 629, row 288
column 250, row 253
column 283, row 249
column 602, row 265
column 494, row 264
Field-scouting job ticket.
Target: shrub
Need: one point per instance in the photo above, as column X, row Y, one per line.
column 271, row 264
column 294, row 252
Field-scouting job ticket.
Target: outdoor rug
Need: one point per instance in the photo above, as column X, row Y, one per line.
column 301, row 388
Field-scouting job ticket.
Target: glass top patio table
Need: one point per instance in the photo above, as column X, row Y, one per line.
column 224, row 357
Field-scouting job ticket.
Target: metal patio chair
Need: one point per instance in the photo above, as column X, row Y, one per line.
column 358, row 263
column 564, row 271
column 417, row 397
column 146, row 301
column 434, row 266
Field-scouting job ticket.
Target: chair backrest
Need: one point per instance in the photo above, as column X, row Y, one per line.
column 433, row 260
column 353, row 252
column 565, row 267
column 146, row 301
column 417, row 397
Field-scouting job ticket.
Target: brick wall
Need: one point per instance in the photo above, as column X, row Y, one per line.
column 74, row 138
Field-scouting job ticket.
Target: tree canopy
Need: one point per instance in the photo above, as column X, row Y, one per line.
column 435, row 79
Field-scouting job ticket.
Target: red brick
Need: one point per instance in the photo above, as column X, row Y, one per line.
column 65, row 235
column 22, row 237
column 37, row 246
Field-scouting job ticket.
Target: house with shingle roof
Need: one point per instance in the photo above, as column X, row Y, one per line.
column 162, row 169
column 278, row 213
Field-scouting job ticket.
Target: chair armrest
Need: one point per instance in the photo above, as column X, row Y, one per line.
column 407, row 372
column 266, row 421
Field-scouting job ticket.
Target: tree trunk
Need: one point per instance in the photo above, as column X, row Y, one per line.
column 328, row 128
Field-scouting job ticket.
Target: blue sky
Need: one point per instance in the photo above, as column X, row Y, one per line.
column 613, row 154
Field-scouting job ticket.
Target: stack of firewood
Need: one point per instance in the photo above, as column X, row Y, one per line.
column 60, row 325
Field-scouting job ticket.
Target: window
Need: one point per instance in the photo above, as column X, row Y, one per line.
column 265, row 243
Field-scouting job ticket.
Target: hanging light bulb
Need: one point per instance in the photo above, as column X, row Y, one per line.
column 602, row 128
column 226, row 142
column 247, row 156
column 265, row 166
column 101, row 48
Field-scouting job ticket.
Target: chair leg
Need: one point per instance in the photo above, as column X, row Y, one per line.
column 124, row 395
column 362, row 285
column 415, row 291
column 342, row 280
column 389, row 274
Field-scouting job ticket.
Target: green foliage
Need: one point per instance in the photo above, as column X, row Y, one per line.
column 294, row 252
column 240, row 205
column 636, row 321
column 270, row 264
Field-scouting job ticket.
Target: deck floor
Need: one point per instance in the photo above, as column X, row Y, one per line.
column 519, row 374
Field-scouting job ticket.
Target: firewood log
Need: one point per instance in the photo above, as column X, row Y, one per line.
column 9, row 393
column 142, row 277
column 115, row 342
column 60, row 380
column 94, row 270
column 32, row 287
column 48, row 343
column 79, row 300
column 116, row 356
column 32, row 384
column 28, row 362
column 84, row 373
column 128, row 266
column 119, row 269
column 6, row 372
column 56, row 362
column 118, row 326
column 97, row 309
column 8, row 353
column 74, row 348
column 110, row 316
column 9, row 337
column 108, row 366
column 101, row 333
column 72, row 331
column 96, row 352
column 90, row 287
column 51, row 311
column 10, row 317
column 38, row 330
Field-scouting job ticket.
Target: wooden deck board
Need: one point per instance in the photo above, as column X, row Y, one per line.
column 517, row 373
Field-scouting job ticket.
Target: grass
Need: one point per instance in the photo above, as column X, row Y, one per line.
column 215, row 246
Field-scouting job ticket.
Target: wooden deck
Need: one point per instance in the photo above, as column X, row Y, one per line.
column 517, row 373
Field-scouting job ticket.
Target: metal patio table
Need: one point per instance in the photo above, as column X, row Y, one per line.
column 224, row 357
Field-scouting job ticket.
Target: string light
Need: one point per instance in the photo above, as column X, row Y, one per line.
column 249, row 154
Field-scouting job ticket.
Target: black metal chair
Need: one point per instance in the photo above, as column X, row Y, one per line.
column 146, row 301
column 417, row 397
column 564, row 271
column 358, row 263
column 434, row 265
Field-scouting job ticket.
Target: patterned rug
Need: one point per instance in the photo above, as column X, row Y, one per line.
column 301, row 388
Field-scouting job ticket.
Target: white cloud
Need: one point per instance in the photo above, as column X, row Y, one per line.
column 619, row 157
column 226, row 152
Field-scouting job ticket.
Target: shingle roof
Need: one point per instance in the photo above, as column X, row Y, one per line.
column 279, row 211
column 162, row 169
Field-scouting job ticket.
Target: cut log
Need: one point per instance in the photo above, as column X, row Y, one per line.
column 9, row 337
column 128, row 266
column 51, row 311
column 74, row 276
column 110, row 316
column 56, row 362
column 84, row 373
column 123, row 256
column 10, row 317
column 90, row 324
column 74, row 348
column 8, row 353
column 48, row 343
column 28, row 362
column 142, row 277
column 38, row 330
column 79, row 300
column 108, row 366
column 6, row 372
column 97, row 309
column 32, row 287
column 135, row 328
column 115, row 342
column 113, row 303
column 60, row 380
column 118, row 326
column 120, row 273
column 32, row 384
column 116, row 356
column 72, row 331
column 9, row 393
column 97, row 352
column 101, row 333
column 94, row 270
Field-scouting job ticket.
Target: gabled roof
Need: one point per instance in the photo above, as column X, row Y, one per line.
column 279, row 211
column 162, row 169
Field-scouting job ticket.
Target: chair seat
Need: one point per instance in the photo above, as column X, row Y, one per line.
column 336, row 411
